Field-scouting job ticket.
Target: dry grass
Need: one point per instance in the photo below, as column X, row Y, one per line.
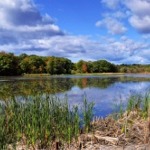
column 130, row 129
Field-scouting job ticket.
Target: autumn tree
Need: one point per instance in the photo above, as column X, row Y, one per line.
column 32, row 64
column 82, row 66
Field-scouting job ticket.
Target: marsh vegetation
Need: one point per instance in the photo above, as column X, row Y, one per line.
column 41, row 121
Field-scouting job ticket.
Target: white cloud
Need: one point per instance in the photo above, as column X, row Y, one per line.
column 140, row 14
column 119, row 51
column 119, row 14
column 113, row 4
column 138, row 7
column 116, row 15
column 137, row 12
column 21, row 20
column 142, row 24
column 113, row 25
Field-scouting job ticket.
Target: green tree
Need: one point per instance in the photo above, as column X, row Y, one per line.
column 32, row 64
column 8, row 64
column 56, row 65
column 104, row 66
column 50, row 65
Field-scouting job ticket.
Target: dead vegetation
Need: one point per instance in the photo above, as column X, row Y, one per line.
column 130, row 129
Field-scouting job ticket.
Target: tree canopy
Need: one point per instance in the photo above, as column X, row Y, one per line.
column 17, row 65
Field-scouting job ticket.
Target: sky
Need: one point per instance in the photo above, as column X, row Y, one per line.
column 115, row 30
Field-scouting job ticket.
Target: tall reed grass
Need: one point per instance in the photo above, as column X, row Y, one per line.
column 41, row 120
column 139, row 102
column 136, row 110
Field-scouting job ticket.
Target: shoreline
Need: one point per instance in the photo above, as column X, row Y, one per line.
column 82, row 74
column 77, row 74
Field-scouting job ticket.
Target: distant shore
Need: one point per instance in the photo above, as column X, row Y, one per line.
column 83, row 74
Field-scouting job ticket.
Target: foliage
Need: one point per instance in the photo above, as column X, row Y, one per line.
column 58, row 65
column 99, row 66
column 82, row 66
column 103, row 66
column 30, row 64
column 8, row 64
column 134, row 68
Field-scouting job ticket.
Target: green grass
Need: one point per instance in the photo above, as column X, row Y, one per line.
column 42, row 121
column 139, row 103
column 136, row 102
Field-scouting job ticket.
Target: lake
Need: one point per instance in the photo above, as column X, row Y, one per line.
column 106, row 91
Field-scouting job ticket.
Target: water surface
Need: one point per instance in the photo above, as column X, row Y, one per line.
column 107, row 92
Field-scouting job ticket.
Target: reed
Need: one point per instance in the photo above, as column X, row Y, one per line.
column 40, row 121
column 140, row 103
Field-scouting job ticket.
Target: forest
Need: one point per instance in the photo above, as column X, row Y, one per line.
column 11, row 64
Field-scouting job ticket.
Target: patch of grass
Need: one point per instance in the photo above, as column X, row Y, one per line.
column 87, row 114
column 40, row 121
column 139, row 103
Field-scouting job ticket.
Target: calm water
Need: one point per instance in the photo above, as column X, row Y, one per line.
column 105, row 91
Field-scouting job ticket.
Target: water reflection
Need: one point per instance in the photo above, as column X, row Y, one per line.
column 106, row 92
column 106, row 100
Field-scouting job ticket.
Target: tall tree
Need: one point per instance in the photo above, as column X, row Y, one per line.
column 8, row 64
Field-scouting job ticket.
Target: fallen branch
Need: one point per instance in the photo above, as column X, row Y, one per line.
column 107, row 138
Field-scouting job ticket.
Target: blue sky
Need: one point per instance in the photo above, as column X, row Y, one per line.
column 115, row 30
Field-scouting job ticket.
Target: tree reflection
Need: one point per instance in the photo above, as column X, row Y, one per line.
column 55, row 85
column 32, row 87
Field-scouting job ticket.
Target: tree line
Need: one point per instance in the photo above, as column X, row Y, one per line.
column 30, row 64
column 11, row 64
